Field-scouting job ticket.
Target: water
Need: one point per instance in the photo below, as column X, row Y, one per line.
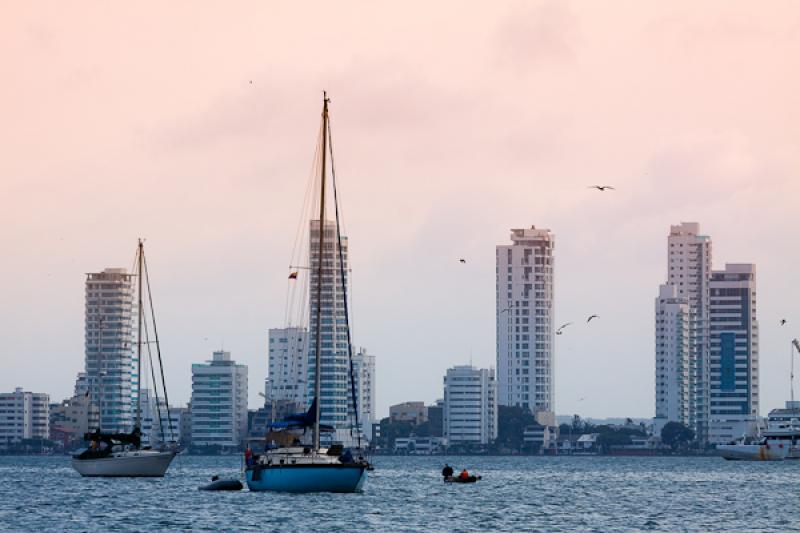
column 406, row 494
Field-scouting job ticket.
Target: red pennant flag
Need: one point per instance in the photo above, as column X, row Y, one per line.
column 293, row 275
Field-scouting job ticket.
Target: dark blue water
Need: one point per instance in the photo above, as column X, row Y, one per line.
column 406, row 494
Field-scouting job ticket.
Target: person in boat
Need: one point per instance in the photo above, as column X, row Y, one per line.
column 248, row 456
column 447, row 471
column 464, row 474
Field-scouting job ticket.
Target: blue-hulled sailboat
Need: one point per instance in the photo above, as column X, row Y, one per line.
column 291, row 463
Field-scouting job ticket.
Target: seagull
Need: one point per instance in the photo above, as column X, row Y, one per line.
column 251, row 82
column 561, row 328
column 581, row 399
column 591, row 317
column 783, row 321
column 601, row 188
column 462, row 260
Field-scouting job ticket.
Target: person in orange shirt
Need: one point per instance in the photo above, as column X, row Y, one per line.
column 464, row 474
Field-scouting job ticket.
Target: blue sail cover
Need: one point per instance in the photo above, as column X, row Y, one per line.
column 301, row 420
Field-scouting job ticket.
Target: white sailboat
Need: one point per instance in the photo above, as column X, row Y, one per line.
column 290, row 465
column 122, row 454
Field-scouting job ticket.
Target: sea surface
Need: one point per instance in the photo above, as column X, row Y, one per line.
column 407, row 494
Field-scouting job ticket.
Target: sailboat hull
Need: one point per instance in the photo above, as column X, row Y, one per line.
column 143, row 463
column 307, row 478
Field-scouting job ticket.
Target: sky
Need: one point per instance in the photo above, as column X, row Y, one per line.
column 453, row 122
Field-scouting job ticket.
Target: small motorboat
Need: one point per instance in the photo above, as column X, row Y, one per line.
column 222, row 484
column 459, row 479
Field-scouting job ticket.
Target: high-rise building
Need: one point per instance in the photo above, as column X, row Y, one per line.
column 524, row 321
column 23, row 415
column 219, row 402
column 111, row 373
column 672, row 358
column 470, row 405
column 335, row 402
column 287, row 365
column 689, row 271
column 734, row 353
column 364, row 372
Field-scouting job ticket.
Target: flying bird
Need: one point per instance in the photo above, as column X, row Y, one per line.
column 783, row 321
column 462, row 260
column 560, row 329
column 251, row 82
column 601, row 188
column 591, row 317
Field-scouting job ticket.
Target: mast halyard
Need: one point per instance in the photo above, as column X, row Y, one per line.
column 318, row 335
column 140, row 307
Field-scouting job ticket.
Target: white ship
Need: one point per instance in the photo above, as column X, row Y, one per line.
column 781, row 438
column 777, row 443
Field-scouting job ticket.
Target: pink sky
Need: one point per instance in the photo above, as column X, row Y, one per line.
column 452, row 124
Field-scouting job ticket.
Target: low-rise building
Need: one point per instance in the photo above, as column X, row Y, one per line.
column 419, row 445
column 219, row 403
column 71, row 419
column 470, row 406
column 160, row 424
column 587, row 443
column 537, row 437
column 414, row 412
column 23, row 415
column 436, row 419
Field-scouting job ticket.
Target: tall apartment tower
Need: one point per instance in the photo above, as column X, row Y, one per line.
column 689, row 271
column 470, row 405
column 335, row 403
column 672, row 358
column 23, row 415
column 364, row 372
column 524, row 321
column 288, row 365
column 111, row 373
column 219, row 402
column 734, row 353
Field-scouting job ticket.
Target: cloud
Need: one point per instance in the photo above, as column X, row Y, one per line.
column 535, row 35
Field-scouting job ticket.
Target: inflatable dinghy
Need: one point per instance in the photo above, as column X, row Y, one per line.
column 223, row 484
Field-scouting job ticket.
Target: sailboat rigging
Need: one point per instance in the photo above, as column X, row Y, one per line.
column 121, row 454
column 287, row 464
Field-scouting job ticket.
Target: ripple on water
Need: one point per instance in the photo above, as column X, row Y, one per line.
column 406, row 494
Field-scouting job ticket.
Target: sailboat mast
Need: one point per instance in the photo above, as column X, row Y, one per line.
column 317, row 358
column 791, row 374
column 140, row 307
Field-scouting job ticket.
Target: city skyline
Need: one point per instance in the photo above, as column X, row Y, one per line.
column 211, row 169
